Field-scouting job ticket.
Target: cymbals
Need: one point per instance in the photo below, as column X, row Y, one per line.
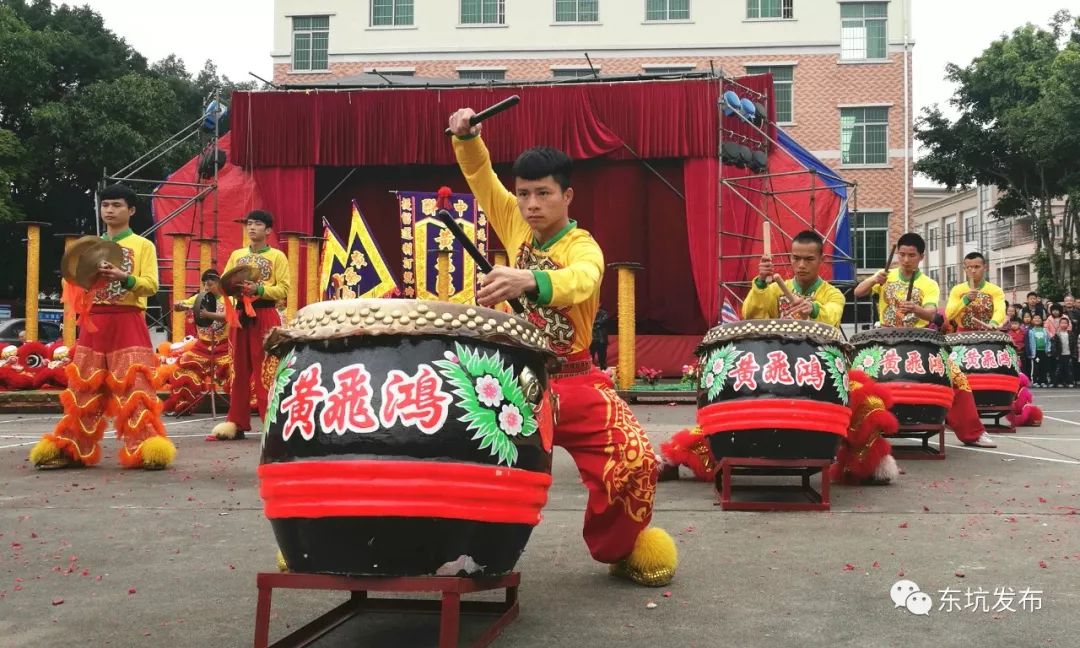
column 233, row 280
column 204, row 301
column 82, row 261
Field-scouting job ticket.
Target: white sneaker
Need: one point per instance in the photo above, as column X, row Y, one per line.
column 984, row 441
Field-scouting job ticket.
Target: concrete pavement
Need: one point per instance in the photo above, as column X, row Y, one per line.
column 104, row 557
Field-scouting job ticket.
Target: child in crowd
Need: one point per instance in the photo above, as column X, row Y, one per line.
column 1038, row 349
column 1062, row 352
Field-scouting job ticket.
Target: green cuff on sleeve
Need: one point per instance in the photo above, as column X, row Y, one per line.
column 465, row 138
column 129, row 283
column 543, row 287
column 259, row 290
column 966, row 300
column 815, row 311
column 758, row 283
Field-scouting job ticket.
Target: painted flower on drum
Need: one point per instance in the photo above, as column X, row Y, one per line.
column 489, row 391
column 710, row 379
column 510, row 420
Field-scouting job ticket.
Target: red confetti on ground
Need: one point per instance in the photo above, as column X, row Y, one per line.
column 667, row 594
column 876, row 565
column 925, row 508
column 33, row 535
column 58, row 601
column 232, row 566
column 98, row 578
column 849, row 567
column 1042, row 500
column 958, row 574
column 903, row 525
column 131, row 590
column 900, row 574
column 1042, row 563
column 16, row 545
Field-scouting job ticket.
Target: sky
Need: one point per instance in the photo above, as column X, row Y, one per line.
column 237, row 34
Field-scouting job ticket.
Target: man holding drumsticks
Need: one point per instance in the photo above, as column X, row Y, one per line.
column 556, row 272
column 805, row 296
column 977, row 304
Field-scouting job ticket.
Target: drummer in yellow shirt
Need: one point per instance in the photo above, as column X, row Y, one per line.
column 557, row 272
column 975, row 303
column 815, row 299
column 906, row 297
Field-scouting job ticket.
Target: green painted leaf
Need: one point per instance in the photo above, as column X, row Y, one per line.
column 868, row 360
column 836, row 365
column 718, row 365
column 481, row 419
column 284, row 374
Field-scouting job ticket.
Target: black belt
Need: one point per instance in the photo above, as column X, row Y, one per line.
column 263, row 303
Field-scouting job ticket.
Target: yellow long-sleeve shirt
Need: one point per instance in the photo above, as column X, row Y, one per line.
column 568, row 268
column 140, row 262
column 988, row 307
column 273, row 270
column 924, row 292
column 764, row 300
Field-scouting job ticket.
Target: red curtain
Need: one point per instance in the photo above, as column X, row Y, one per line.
column 289, row 194
column 702, row 226
column 632, row 214
column 660, row 119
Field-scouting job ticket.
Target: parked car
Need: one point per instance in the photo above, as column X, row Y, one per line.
column 11, row 330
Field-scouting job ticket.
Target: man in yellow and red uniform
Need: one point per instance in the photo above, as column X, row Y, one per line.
column 895, row 308
column 815, row 299
column 977, row 301
column 246, row 340
column 112, row 373
column 208, row 358
column 557, row 273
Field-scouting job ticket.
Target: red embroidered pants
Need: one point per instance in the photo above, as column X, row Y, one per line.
column 247, row 359
column 112, row 375
column 613, row 456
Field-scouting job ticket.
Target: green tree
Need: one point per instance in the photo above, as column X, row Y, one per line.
column 76, row 100
column 1019, row 129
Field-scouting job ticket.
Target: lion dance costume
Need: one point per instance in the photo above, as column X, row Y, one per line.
column 206, row 360
column 595, row 426
column 112, row 374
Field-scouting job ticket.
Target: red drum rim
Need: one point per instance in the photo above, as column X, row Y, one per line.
column 993, row 382
column 915, row 393
column 771, row 413
column 364, row 488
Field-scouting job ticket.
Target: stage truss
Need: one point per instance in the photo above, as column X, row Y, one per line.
column 765, row 202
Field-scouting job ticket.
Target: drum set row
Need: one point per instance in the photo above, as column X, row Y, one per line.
column 409, row 438
column 778, row 389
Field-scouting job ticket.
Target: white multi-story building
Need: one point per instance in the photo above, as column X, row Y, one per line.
column 955, row 224
column 842, row 68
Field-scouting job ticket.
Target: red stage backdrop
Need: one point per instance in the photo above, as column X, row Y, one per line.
column 296, row 146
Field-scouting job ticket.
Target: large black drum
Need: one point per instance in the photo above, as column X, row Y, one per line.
column 912, row 365
column 406, row 438
column 991, row 364
column 774, row 389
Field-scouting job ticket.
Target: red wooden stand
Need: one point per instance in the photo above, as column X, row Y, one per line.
column 924, row 433
column 997, row 413
column 450, row 606
column 804, row 468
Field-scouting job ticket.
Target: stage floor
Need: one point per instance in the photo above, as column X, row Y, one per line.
column 105, row 557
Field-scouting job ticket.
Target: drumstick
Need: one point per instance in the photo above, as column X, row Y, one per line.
column 910, row 286
column 766, row 250
column 891, row 256
column 485, row 266
column 982, row 323
column 490, row 111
